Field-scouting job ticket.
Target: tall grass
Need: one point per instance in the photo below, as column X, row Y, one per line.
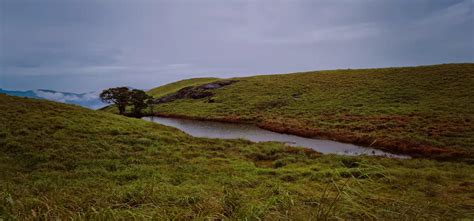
column 62, row 162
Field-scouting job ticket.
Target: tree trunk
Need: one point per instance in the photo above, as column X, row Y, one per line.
column 121, row 110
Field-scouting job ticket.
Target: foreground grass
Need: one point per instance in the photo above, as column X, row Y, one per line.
column 60, row 161
column 422, row 111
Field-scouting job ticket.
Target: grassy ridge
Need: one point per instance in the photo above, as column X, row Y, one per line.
column 426, row 110
column 166, row 89
column 175, row 86
column 61, row 161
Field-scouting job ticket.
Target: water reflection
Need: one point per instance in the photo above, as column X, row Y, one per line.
column 212, row 129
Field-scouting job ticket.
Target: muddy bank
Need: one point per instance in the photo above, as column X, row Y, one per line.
column 414, row 150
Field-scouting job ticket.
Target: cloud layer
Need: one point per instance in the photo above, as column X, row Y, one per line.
column 89, row 45
column 89, row 100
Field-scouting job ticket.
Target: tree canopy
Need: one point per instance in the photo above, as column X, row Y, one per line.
column 119, row 96
column 123, row 96
column 138, row 99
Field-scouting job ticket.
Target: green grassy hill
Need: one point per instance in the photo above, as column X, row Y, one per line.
column 167, row 89
column 175, row 86
column 60, row 161
column 422, row 111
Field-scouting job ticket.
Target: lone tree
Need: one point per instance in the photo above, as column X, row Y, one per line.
column 119, row 96
column 138, row 99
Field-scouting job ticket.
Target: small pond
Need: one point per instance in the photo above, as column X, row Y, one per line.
column 211, row 129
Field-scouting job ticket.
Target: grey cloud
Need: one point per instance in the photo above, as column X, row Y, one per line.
column 91, row 44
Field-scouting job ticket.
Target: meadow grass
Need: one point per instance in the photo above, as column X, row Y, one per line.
column 175, row 86
column 61, row 161
column 422, row 111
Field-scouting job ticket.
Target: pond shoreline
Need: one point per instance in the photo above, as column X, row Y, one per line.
column 404, row 148
column 249, row 131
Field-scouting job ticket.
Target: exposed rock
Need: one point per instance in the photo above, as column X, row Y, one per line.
column 217, row 84
column 195, row 92
column 198, row 94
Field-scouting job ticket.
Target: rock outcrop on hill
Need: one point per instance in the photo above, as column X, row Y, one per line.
column 195, row 92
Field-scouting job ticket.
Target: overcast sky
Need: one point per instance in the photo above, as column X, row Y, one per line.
column 88, row 45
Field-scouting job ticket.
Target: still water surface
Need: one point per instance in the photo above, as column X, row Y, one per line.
column 211, row 129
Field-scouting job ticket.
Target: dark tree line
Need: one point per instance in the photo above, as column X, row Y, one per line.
column 123, row 96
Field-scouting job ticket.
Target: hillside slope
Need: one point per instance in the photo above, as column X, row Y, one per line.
column 60, row 161
column 422, row 111
column 166, row 89
column 175, row 86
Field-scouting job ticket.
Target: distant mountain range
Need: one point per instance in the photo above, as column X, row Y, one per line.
column 90, row 100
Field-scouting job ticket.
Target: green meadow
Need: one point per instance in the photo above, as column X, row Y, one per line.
column 425, row 111
column 63, row 162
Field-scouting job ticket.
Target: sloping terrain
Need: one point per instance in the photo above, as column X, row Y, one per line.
column 423, row 111
column 60, row 161
column 167, row 89
column 175, row 86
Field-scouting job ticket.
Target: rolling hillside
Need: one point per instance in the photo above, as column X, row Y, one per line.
column 422, row 111
column 167, row 89
column 175, row 86
column 63, row 162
